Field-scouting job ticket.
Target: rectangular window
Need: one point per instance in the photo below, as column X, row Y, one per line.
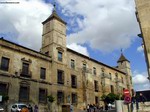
column 84, row 66
column 73, row 81
column 112, row 88
column 59, row 56
column 24, row 93
column 3, row 88
column 60, row 77
column 94, row 70
column 42, row 95
column 4, row 64
column 96, row 85
column 72, row 64
column 43, row 73
column 60, row 97
column 74, row 98
column 110, row 76
column 96, row 100
column 25, row 70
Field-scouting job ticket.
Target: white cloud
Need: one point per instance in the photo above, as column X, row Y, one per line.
column 140, row 49
column 107, row 24
column 78, row 48
column 140, row 81
column 22, row 21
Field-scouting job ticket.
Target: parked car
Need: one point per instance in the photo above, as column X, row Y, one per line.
column 17, row 107
column 1, row 109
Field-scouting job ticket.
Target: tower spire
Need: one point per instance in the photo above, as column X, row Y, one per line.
column 54, row 6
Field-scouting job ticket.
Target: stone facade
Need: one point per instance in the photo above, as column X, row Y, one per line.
column 71, row 77
column 143, row 15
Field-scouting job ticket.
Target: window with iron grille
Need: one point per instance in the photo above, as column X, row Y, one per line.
column 24, row 93
column 73, row 81
column 74, row 98
column 96, row 85
column 4, row 63
column 94, row 70
column 60, row 77
column 59, row 56
column 60, row 97
column 3, row 88
column 72, row 63
column 96, row 100
column 43, row 73
column 42, row 95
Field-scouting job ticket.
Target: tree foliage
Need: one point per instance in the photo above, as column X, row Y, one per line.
column 51, row 98
column 111, row 97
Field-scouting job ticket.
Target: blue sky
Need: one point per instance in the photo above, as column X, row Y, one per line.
column 99, row 28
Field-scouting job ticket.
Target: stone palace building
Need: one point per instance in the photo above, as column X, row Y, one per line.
column 72, row 78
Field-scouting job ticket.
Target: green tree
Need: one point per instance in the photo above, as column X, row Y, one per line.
column 50, row 99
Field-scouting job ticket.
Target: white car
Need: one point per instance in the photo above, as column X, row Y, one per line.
column 17, row 107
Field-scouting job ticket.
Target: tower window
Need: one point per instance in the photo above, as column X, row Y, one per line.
column 59, row 56
column 4, row 64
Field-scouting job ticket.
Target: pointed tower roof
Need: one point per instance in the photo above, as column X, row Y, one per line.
column 122, row 58
column 54, row 15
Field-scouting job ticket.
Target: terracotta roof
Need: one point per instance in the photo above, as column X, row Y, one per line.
column 122, row 58
column 54, row 15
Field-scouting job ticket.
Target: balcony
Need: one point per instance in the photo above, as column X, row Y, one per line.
column 87, row 70
column 117, row 80
column 105, row 76
column 27, row 74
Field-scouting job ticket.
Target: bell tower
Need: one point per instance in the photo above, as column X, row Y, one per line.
column 124, row 65
column 54, row 36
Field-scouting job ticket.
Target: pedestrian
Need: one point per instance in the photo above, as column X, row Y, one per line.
column 134, row 103
column 30, row 108
column 35, row 108
column 142, row 100
column 88, row 108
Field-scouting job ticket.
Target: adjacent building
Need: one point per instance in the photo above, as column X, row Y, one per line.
column 143, row 15
column 72, row 78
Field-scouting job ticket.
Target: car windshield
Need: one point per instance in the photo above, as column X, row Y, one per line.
column 22, row 106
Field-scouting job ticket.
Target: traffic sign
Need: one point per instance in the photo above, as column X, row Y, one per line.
column 126, row 92
column 127, row 99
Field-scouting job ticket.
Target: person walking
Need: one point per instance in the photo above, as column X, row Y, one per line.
column 35, row 108
column 142, row 100
column 30, row 108
column 134, row 103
